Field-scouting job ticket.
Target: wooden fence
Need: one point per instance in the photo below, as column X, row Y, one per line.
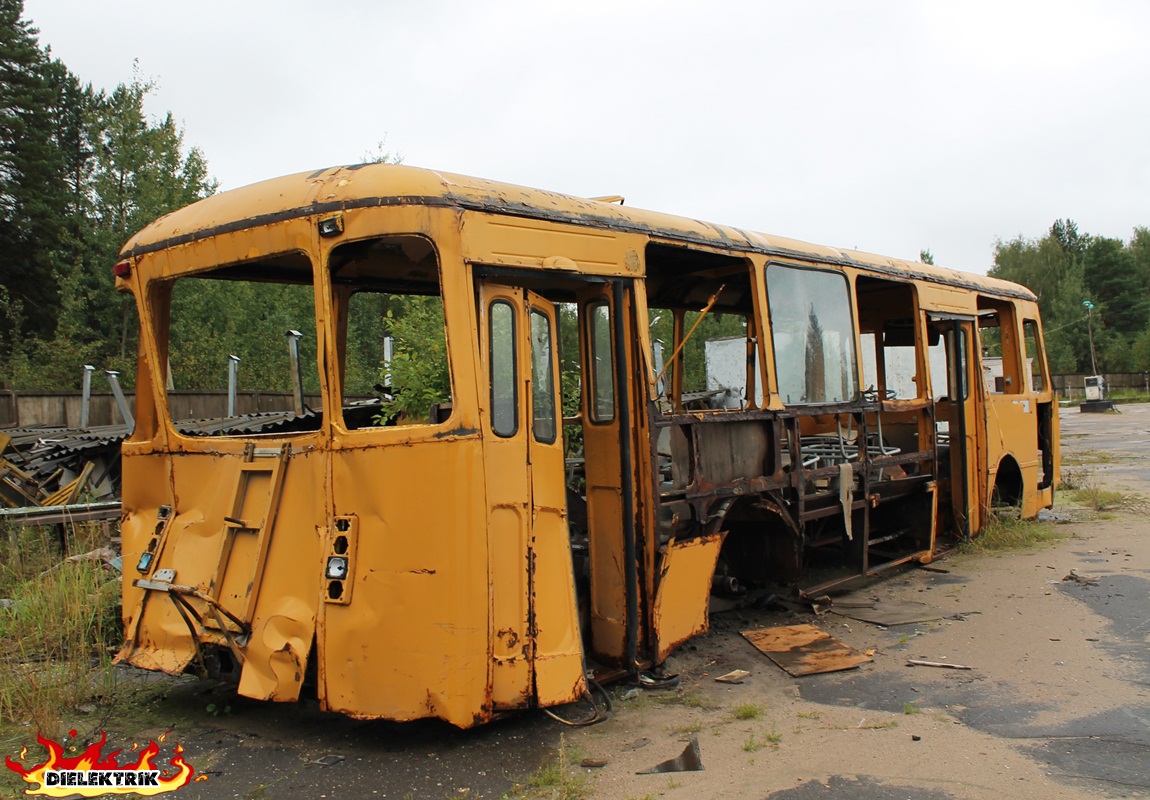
column 1071, row 387
column 22, row 409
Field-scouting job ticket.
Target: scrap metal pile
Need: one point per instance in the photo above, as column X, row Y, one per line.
column 50, row 466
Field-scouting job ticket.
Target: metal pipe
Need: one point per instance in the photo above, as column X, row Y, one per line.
column 725, row 585
column 233, row 372
column 86, row 403
column 961, row 366
column 121, row 401
column 661, row 384
column 60, row 515
column 293, row 338
column 627, row 483
column 388, row 355
column 690, row 333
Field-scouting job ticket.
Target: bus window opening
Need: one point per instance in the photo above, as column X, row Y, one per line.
column 391, row 334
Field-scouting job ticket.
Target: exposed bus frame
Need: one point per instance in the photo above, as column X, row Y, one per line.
column 480, row 592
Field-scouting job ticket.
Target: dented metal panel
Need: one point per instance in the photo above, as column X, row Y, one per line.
column 196, row 548
column 684, row 585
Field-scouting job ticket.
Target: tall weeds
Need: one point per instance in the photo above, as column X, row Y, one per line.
column 1005, row 532
column 58, row 629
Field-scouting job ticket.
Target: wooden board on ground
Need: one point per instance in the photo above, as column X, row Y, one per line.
column 889, row 613
column 804, row 649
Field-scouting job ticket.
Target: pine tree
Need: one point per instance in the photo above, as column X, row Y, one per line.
column 32, row 200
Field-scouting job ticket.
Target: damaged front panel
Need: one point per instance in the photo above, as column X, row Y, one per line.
column 218, row 570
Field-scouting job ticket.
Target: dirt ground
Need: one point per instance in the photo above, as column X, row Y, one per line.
column 1056, row 703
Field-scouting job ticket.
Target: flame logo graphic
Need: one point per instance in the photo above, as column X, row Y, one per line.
column 116, row 779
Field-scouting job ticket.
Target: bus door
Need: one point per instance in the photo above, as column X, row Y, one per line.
column 957, row 414
column 536, row 649
column 1010, row 411
column 609, row 474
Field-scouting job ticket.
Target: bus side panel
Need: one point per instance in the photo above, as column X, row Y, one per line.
column 1012, row 421
column 414, row 638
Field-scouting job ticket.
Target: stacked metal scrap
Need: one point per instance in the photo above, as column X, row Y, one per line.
column 49, row 465
column 263, row 422
column 45, row 465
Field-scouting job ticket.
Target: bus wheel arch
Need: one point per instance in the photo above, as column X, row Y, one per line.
column 1007, row 491
column 761, row 545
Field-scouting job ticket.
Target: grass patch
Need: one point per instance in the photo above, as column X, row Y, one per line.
column 1084, row 489
column 1127, row 396
column 58, row 632
column 746, row 711
column 1096, row 498
column 691, row 698
column 810, row 715
column 558, row 779
column 879, row 726
column 631, row 697
column 1085, row 457
column 770, row 739
column 910, row 708
column 1004, row 534
column 1078, row 472
column 1073, row 478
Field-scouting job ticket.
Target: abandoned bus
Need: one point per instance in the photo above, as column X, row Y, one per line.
column 434, row 535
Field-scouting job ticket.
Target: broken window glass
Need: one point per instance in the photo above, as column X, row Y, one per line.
column 812, row 331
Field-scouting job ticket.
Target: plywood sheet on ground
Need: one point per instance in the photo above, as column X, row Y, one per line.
column 804, row 649
column 889, row 613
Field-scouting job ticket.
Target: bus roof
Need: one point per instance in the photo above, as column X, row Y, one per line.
column 377, row 185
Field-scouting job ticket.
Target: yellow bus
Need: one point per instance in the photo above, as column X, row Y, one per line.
column 476, row 551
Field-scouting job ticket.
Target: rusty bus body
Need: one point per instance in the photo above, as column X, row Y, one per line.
column 426, row 569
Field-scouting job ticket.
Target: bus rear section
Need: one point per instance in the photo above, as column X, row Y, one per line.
column 397, row 542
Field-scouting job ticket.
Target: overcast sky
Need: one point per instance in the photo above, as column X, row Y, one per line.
column 886, row 126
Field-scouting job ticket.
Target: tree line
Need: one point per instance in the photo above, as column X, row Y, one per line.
column 81, row 170
column 1084, row 280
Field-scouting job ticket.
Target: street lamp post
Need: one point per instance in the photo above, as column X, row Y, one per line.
column 1090, row 329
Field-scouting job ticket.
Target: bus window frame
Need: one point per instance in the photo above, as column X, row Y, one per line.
column 513, row 352
column 855, row 372
column 590, row 308
column 159, row 294
column 544, row 379
column 1031, row 324
column 340, row 320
